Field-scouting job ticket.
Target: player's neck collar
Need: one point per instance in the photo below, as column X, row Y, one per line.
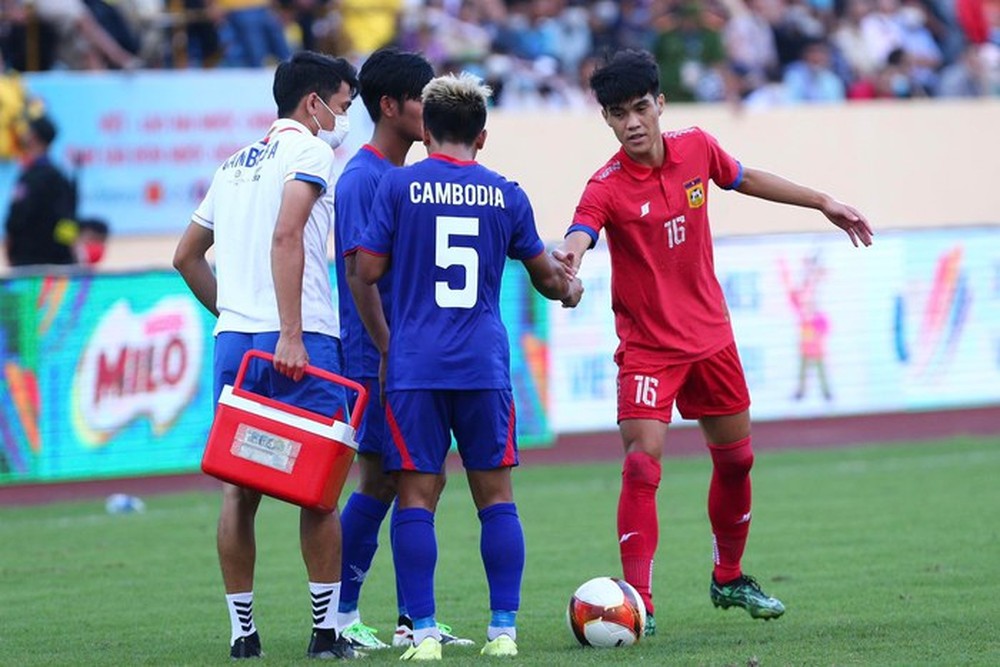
column 283, row 124
column 449, row 158
column 374, row 151
column 642, row 170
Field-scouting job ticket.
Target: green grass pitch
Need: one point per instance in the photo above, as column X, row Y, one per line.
column 884, row 555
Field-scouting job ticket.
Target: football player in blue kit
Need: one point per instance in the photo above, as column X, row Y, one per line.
column 391, row 83
column 446, row 226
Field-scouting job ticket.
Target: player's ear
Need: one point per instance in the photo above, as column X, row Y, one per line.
column 661, row 101
column 312, row 103
column 427, row 136
column 606, row 116
column 388, row 106
column 481, row 140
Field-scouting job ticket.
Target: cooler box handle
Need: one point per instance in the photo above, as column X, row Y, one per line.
column 356, row 413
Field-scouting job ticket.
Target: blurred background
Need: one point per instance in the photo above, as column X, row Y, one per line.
column 890, row 105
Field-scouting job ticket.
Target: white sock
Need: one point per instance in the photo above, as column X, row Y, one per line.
column 325, row 599
column 494, row 632
column 240, row 615
column 423, row 633
column 348, row 618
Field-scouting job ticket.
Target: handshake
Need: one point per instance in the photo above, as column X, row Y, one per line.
column 567, row 264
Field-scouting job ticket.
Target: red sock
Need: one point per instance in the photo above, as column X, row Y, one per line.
column 638, row 527
column 729, row 506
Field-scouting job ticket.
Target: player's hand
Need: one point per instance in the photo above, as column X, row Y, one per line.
column 850, row 220
column 290, row 357
column 575, row 294
column 567, row 259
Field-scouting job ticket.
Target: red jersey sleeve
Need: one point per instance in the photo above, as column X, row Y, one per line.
column 592, row 212
column 723, row 168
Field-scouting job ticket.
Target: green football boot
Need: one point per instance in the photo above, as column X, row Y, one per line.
column 650, row 628
column 745, row 592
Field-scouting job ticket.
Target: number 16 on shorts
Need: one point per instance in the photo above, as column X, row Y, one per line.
column 645, row 390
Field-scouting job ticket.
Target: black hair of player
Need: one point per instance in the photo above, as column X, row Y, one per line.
column 455, row 120
column 309, row 72
column 389, row 72
column 627, row 75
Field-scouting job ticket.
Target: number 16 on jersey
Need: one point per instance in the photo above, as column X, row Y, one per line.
column 645, row 390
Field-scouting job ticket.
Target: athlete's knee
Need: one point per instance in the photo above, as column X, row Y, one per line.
column 642, row 469
column 380, row 486
column 734, row 459
column 490, row 487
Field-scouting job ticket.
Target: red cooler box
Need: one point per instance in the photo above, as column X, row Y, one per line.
column 279, row 449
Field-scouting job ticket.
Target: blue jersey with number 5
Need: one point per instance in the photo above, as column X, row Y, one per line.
column 448, row 227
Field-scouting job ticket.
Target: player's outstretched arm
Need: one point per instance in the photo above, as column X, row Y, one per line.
column 772, row 187
column 573, row 248
column 554, row 279
column 191, row 262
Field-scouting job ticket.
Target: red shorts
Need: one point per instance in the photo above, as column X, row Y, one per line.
column 714, row 386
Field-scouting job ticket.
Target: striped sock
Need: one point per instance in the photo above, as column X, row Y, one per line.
column 240, row 615
column 324, row 604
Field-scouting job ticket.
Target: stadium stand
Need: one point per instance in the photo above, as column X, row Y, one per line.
column 537, row 53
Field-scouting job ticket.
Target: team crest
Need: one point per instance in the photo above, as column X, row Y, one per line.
column 695, row 193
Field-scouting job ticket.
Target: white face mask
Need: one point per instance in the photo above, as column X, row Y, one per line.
column 341, row 126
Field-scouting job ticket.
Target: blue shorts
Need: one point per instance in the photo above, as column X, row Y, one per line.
column 373, row 432
column 310, row 393
column 421, row 423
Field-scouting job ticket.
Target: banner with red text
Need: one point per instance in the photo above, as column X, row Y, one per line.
column 149, row 144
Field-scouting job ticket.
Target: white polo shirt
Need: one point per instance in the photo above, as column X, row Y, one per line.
column 241, row 207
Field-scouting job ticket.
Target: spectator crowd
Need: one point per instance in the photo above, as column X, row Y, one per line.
column 538, row 53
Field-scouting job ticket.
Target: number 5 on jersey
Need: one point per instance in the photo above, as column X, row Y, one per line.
column 446, row 255
column 645, row 390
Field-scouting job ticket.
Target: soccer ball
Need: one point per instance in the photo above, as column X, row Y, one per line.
column 606, row 612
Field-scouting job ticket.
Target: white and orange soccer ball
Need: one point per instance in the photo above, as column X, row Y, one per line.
column 606, row 612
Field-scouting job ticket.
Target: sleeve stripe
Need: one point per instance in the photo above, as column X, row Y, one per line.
column 368, row 251
column 577, row 227
column 197, row 219
column 350, row 251
column 308, row 178
column 739, row 178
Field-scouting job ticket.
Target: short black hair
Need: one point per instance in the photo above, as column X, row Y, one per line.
column 399, row 75
column 43, row 129
column 455, row 108
column 310, row 72
column 624, row 76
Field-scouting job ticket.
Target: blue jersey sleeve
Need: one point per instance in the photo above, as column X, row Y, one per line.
column 352, row 208
column 524, row 241
column 378, row 235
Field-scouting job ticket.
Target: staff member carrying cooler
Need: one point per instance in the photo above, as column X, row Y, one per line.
column 269, row 215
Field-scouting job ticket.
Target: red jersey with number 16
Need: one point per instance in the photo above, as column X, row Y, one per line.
column 668, row 304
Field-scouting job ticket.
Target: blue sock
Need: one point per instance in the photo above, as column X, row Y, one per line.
column 400, row 602
column 414, row 550
column 502, row 623
column 360, row 522
column 501, row 544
